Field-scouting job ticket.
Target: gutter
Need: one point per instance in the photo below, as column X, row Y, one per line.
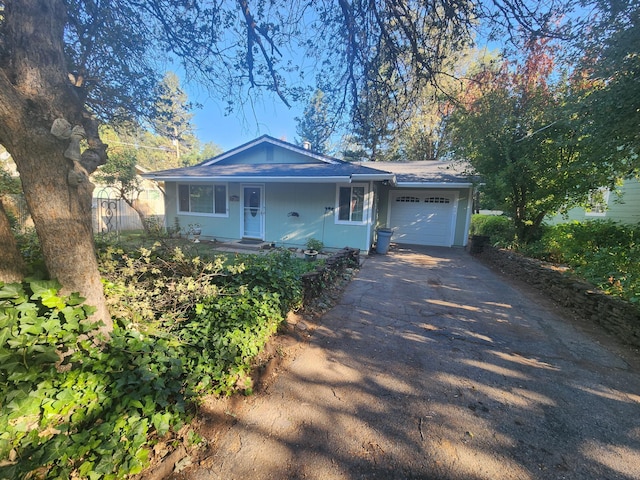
column 372, row 177
column 434, row 185
column 248, row 179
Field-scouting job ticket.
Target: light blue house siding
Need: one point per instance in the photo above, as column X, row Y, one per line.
column 622, row 206
column 292, row 213
column 271, row 191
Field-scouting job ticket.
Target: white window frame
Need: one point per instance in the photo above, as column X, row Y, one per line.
column 365, row 204
column 204, row 214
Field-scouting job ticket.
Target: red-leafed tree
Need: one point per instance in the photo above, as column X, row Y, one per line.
column 515, row 127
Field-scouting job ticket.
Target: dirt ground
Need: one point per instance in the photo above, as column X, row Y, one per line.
column 429, row 365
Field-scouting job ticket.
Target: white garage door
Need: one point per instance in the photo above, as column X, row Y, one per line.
column 423, row 217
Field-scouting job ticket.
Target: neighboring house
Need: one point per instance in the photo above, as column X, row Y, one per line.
column 111, row 213
column 621, row 206
column 273, row 191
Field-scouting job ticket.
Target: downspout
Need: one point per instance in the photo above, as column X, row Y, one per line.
column 370, row 216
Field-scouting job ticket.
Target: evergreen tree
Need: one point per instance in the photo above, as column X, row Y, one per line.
column 315, row 126
column 172, row 116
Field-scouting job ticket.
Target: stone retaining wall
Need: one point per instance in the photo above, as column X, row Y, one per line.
column 617, row 316
column 314, row 282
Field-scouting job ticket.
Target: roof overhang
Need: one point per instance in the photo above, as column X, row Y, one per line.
column 265, row 139
column 434, row 185
column 373, row 177
column 249, row 179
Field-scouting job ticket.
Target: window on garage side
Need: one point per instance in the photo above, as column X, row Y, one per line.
column 437, row 200
column 204, row 199
column 350, row 207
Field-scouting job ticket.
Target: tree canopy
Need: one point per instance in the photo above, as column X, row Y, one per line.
column 609, row 109
column 515, row 129
column 316, row 124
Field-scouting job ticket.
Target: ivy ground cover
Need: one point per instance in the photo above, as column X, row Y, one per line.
column 75, row 405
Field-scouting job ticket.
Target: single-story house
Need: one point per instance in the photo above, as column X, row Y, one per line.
column 621, row 205
column 277, row 192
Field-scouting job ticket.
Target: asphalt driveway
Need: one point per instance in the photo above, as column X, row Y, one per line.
column 433, row 366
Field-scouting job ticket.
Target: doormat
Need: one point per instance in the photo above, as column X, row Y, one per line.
column 248, row 241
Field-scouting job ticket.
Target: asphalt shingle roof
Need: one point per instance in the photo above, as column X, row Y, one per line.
column 425, row 171
column 275, row 170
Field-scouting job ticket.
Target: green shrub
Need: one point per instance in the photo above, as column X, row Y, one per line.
column 151, row 284
column 499, row 229
column 224, row 336
column 279, row 271
column 605, row 253
column 73, row 407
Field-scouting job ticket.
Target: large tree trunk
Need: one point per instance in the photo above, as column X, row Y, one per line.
column 61, row 212
column 12, row 268
column 36, row 91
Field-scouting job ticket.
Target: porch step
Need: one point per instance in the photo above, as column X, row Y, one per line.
column 248, row 244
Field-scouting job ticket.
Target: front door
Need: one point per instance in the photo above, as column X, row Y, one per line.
column 253, row 212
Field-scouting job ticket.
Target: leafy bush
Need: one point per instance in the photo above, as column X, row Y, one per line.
column 154, row 283
column 279, row 272
column 314, row 244
column 73, row 407
column 605, row 253
column 500, row 229
column 224, row 336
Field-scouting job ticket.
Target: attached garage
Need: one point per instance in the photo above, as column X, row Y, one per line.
column 430, row 203
column 423, row 217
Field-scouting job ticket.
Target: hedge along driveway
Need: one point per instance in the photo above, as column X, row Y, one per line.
column 432, row 366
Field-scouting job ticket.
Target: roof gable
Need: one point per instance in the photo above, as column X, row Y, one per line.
column 268, row 150
column 268, row 159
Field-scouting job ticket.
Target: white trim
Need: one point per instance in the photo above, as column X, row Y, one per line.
column 262, row 209
column 467, row 223
column 249, row 179
column 454, row 218
column 365, row 210
column 433, row 185
column 370, row 214
column 367, row 177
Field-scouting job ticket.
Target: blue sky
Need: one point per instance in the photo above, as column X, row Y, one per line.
column 270, row 116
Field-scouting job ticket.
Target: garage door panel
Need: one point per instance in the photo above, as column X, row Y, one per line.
column 422, row 218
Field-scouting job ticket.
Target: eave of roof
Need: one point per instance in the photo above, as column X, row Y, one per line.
column 312, row 172
column 434, row 184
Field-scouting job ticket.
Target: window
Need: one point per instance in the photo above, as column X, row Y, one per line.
column 436, row 200
column 598, row 202
column 351, row 204
column 206, row 199
column 408, row 199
